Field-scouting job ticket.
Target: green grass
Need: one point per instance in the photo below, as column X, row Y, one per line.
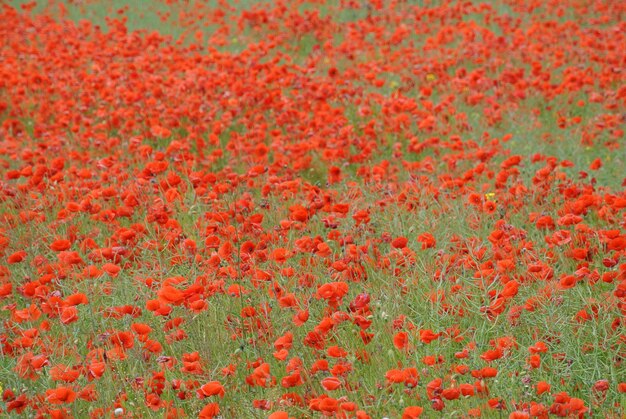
column 400, row 204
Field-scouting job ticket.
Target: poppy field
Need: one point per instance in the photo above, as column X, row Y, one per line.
column 313, row 208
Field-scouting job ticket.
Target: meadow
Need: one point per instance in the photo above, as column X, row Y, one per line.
column 313, row 208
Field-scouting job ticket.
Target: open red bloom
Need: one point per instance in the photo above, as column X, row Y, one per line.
column 60, row 395
column 213, row 388
column 412, row 412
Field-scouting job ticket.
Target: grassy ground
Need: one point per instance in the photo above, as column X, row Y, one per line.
column 429, row 198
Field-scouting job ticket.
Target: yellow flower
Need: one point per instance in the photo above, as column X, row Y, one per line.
column 489, row 196
column 431, row 77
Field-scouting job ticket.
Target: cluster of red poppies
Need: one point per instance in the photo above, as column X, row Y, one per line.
column 351, row 209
